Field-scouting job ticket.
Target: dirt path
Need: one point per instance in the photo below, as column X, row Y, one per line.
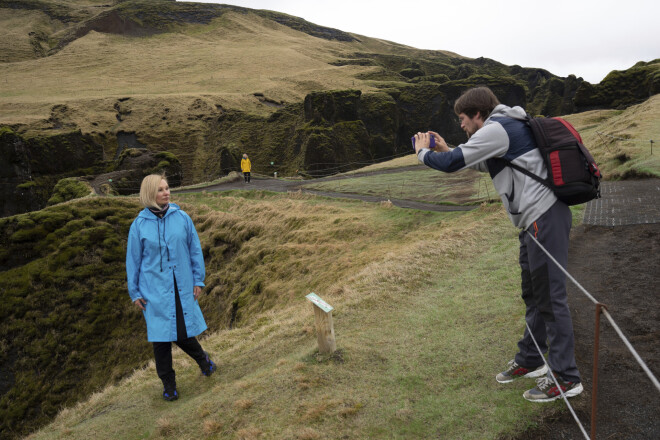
column 615, row 256
column 619, row 266
column 280, row 185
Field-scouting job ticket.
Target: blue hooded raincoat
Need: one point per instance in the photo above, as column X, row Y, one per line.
column 158, row 250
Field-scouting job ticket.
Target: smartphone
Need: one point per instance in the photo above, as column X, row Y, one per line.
column 431, row 145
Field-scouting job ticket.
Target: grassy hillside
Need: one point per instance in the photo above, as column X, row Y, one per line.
column 233, row 56
column 68, row 327
column 208, row 82
column 61, row 284
column 421, row 329
column 426, row 305
column 620, row 139
column 395, row 277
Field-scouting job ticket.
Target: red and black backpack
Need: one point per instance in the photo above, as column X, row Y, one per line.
column 572, row 172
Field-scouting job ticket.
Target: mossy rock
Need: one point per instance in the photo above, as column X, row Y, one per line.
column 412, row 73
column 27, row 185
column 69, row 189
column 332, row 106
column 620, row 89
column 438, row 78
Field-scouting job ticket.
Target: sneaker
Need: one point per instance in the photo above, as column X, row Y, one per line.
column 210, row 369
column 170, row 394
column 546, row 390
column 515, row 371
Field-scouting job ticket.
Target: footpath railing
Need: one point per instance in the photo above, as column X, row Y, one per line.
column 600, row 308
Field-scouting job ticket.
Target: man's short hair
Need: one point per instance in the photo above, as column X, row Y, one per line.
column 477, row 99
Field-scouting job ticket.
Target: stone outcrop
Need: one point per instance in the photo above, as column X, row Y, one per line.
column 31, row 167
column 620, row 89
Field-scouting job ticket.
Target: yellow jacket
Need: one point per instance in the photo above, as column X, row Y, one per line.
column 246, row 166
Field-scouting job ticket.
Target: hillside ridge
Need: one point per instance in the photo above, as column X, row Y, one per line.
column 203, row 84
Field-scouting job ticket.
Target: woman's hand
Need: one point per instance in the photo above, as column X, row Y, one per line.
column 197, row 290
column 141, row 303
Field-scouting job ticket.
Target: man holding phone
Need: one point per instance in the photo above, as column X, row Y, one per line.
column 497, row 134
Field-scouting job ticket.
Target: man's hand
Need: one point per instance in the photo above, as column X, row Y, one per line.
column 422, row 140
column 197, row 290
column 440, row 144
column 141, row 303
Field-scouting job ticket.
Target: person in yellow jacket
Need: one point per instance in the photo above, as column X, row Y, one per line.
column 246, row 166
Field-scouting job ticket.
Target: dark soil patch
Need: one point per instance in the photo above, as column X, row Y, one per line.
column 619, row 267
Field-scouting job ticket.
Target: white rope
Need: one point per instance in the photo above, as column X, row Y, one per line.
column 632, row 350
column 554, row 379
column 563, row 270
column 642, row 364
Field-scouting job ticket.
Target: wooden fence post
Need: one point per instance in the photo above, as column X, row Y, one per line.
column 325, row 332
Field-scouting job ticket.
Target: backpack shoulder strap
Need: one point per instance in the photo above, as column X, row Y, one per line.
column 527, row 172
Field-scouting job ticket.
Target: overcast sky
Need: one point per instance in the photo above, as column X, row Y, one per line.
column 588, row 38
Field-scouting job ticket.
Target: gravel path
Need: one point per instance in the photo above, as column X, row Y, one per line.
column 629, row 202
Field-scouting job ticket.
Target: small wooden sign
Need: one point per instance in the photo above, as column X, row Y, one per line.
column 325, row 332
column 316, row 300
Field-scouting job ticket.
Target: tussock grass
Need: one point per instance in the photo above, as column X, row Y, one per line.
column 426, row 312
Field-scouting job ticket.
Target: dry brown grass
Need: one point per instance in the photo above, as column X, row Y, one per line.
column 243, row 404
column 250, row 433
column 228, row 61
column 307, row 434
column 165, row 426
column 392, row 275
column 212, row 427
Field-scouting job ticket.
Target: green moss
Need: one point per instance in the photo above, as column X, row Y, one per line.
column 170, row 157
column 4, row 130
column 61, row 303
column 27, row 185
column 438, row 78
column 621, row 88
column 69, row 189
column 29, row 235
column 411, row 72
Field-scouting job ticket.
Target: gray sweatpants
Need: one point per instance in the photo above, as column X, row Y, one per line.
column 544, row 292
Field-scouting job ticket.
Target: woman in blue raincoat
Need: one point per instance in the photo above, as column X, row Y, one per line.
column 165, row 269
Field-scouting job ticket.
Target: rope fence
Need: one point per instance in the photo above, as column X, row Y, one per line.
column 624, row 139
column 554, row 379
column 633, row 140
column 600, row 308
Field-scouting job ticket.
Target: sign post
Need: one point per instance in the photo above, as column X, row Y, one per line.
column 325, row 332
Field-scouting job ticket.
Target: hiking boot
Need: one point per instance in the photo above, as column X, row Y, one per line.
column 515, row 371
column 170, row 394
column 210, row 369
column 546, row 390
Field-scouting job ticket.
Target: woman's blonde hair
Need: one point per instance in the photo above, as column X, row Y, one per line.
column 149, row 190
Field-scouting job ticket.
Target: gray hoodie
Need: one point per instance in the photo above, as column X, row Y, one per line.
column 504, row 135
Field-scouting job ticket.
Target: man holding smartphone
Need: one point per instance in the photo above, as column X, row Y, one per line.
column 497, row 134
